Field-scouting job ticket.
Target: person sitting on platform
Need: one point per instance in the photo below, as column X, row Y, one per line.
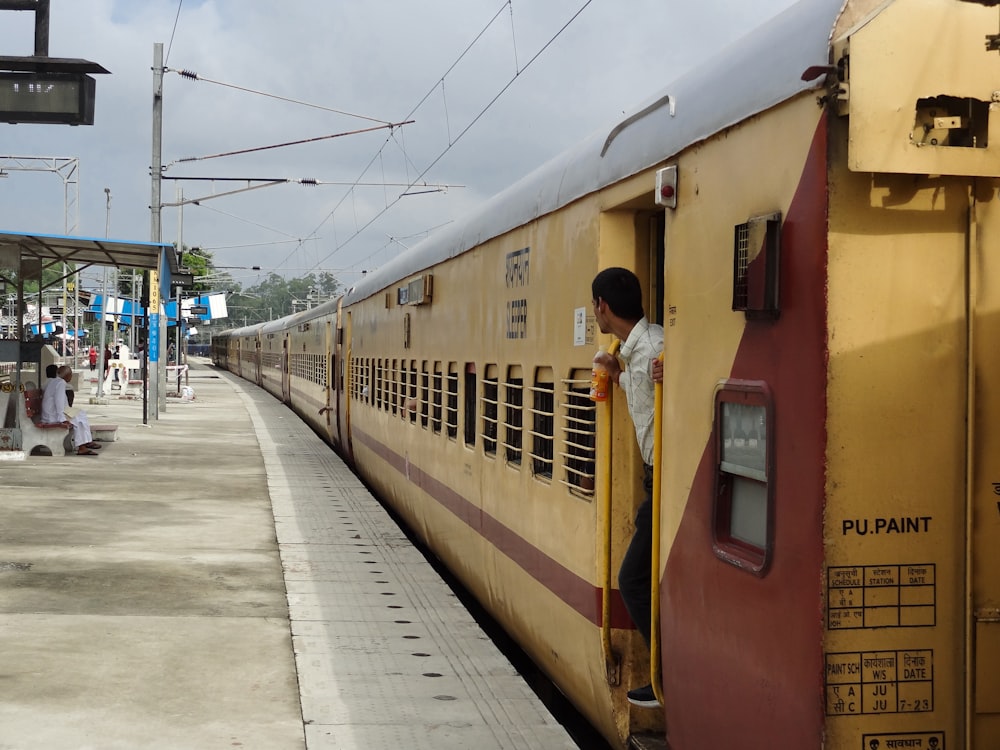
column 55, row 403
column 51, row 372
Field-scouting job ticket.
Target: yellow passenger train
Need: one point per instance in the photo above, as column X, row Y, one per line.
column 814, row 215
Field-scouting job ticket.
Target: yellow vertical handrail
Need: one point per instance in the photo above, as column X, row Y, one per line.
column 603, row 470
column 655, row 668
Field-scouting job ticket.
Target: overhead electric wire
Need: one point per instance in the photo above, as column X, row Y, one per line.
column 451, row 143
column 174, row 30
column 383, row 125
column 289, row 143
column 192, row 76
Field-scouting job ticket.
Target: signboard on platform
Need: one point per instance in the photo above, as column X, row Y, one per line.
column 154, row 337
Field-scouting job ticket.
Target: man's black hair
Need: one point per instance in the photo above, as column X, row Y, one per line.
column 620, row 288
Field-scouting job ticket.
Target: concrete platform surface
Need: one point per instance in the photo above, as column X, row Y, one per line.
column 219, row 579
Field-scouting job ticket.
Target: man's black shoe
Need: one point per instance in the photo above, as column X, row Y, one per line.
column 644, row 697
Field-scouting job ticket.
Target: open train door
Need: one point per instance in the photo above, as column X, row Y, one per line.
column 286, row 386
column 255, row 364
column 341, row 375
column 983, row 484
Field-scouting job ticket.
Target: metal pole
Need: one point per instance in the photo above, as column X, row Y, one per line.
column 156, row 208
column 101, row 363
column 42, row 28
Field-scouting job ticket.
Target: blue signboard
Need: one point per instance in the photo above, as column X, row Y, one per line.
column 154, row 337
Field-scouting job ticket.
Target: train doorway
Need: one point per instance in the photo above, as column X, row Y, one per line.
column 633, row 237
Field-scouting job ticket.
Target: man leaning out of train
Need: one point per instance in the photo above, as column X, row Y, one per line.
column 617, row 296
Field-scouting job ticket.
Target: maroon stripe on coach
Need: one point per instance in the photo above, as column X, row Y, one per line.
column 576, row 592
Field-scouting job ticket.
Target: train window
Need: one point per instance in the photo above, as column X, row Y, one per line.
column 393, row 387
column 470, row 404
column 542, row 423
column 378, row 383
column 412, row 398
column 513, row 401
column 424, row 388
column 743, row 513
column 358, row 378
column 579, row 432
column 436, row 408
column 451, row 415
column 490, row 411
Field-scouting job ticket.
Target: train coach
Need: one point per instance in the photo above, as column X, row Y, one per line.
column 814, row 216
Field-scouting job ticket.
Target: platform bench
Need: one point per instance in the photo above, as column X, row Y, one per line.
column 55, row 437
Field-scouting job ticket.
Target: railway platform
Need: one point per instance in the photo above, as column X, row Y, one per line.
column 220, row 579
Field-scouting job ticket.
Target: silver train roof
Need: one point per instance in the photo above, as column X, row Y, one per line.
column 750, row 76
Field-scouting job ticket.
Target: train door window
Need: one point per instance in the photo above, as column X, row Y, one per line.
column 451, row 414
column 424, row 400
column 743, row 513
column 579, row 430
column 490, row 411
column 542, row 423
column 436, row 408
column 413, row 395
column 513, row 403
column 470, row 404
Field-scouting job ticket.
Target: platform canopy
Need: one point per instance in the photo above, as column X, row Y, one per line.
column 90, row 251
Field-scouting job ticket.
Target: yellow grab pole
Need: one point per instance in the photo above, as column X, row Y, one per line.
column 603, row 469
column 655, row 668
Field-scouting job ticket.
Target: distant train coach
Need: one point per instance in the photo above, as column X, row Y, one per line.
column 814, row 216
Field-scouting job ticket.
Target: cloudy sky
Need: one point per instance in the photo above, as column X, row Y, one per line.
column 493, row 89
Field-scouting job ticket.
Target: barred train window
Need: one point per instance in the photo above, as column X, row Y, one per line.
column 470, row 404
column 358, row 378
column 743, row 514
column 542, row 423
column 451, row 415
column 578, row 434
column 411, row 401
column 394, row 387
column 490, row 411
column 513, row 400
column 378, row 383
column 424, row 394
column 437, row 399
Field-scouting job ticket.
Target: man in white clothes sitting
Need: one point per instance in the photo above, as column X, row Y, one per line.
column 54, row 406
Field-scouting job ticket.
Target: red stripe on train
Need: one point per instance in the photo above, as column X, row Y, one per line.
column 576, row 592
column 742, row 655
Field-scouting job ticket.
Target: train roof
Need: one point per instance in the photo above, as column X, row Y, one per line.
column 753, row 74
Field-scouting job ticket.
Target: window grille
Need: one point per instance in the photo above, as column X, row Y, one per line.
column 542, row 428
column 393, row 387
column 451, row 413
column 270, row 360
column 490, row 411
column 578, row 434
column 513, row 401
column 437, row 398
column 412, row 399
column 424, row 400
